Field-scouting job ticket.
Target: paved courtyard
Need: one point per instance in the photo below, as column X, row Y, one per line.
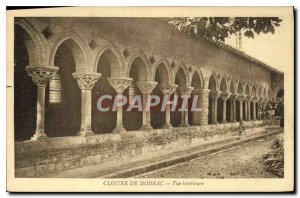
column 239, row 162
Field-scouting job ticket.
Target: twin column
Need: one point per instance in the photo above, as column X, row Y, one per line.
column 214, row 95
column 185, row 93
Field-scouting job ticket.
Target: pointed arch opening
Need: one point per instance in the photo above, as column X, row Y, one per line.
column 158, row 118
column 194, row 116
column 63, row 120
column 138, row 72
column 181, row 80
column 108, row 66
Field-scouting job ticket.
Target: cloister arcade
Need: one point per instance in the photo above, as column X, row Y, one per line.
column 70, row 76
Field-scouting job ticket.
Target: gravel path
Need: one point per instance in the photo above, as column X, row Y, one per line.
column 239, row 162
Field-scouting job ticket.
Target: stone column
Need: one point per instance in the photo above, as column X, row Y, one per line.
column 255, row 99
column 41, row 76
column 214, row 95
column 241, row 99
column 86, row 82
column 247, row 108
column 224, row 96
column 119, row 85
column 233, row 99
column 167, row 90
column 146, row 87
column 185, row 92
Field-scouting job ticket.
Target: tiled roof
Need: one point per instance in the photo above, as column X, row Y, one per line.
column 242, row 54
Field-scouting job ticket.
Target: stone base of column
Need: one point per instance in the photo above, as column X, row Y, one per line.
column 168, row 126
column 184, row 125
column 119, row 129
column 214, row 122
column 146, row 127
column 85, row 133
column 39, row 135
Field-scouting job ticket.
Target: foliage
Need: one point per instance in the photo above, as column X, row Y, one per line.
column 271, row 105
column 274, row 160
column 219, row 28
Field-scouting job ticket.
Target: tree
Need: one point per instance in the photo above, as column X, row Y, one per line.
column 273, row 105
column 219, row 28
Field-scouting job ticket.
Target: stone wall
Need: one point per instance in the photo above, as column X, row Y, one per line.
column 37, row 158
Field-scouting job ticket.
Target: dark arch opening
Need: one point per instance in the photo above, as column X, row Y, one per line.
column 25, row 91
column 158, row 117
column 104, row 122
column 64, row 118
column 180, row 80
column 133, row 119
column 194, row 116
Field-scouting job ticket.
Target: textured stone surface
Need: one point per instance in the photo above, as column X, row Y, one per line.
column 36, row 158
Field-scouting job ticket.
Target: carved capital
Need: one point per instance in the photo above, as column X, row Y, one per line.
column 168, row 89
column 185, row 91
column 233, row 97
column 41, row 76
column 241, row 97
column 214, row 95
column 86, row 80
column 119, row 84
column 255, row 99
column 225, row 95
column 146, row 87
column 204, row 93
column 248, row 98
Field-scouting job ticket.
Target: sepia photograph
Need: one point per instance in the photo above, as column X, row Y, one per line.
column 140, row 99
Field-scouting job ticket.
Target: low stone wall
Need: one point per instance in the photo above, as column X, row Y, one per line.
column 53, row 155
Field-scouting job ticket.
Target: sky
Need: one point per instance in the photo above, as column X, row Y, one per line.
column 268, row 48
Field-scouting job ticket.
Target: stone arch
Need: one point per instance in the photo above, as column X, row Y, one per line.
column 164, row 70
column 264, row 92
column 108, row 64
column 254, row 91
column 197, row 80
column 232, row 88
column 223, row 84
column 240, row 89
column 259, row 92
column 78, row 47
column 279, row 93
column 182, row 76
column 139, row 66
column 35, row 45
column 213, row 84
column 162, row 77
column 66, row 53
column 247, row 89
column 115, row 57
